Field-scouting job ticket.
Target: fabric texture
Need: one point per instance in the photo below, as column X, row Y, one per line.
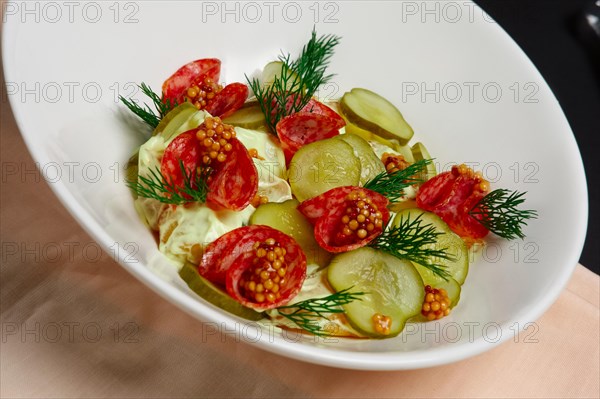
column 75, row 324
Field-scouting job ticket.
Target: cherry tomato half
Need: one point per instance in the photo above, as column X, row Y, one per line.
column 191, row 74
column 452, row 195
column 346, row 218
column 262, row 268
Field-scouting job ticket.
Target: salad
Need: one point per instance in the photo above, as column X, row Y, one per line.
column 279, row 207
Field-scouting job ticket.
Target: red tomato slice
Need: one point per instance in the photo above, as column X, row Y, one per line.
column 259, row 280
column 189, row 75
column 232, row 260
column 317, row 207
column 451, row 196
column 316, row 107
column 228, row 100
column 300, row 129
column 185, row 148
column 329, row 210
column 233, row 183
column 292, row 101
column 470, row 226
column 313, row 106
column 220, row 254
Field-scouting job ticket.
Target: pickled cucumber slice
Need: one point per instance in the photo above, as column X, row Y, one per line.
column 394, row 290
column 420, row 152
column 370, row 164
column 272, row 70
column 370, row 111
column 286, row 218
column 214, row 295
column 131, row 171
column 451, row 286
column 174, row 119
column 380, row 142
column 402, row 205
column 406, row 152
column 351, row 128
column 458, row 267
column 320, row 166
column 250, row 116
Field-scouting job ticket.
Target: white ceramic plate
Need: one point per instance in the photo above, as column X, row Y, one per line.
column 464, row 85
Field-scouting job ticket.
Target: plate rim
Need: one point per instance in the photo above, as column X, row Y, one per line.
column 395, row 360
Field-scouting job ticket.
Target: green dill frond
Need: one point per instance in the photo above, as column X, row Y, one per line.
column 151, row 116
column 298, row 80
column 306, row 313
column 498, row 212
column 392, row 185
column 157, row 187
column 414, row 241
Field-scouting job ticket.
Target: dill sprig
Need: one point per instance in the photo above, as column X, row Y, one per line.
column 298, row 80
column 147, row 114
column 498, row 212
column 305, row 314
column 157, row 187
column 414, row 241
column 392, row 185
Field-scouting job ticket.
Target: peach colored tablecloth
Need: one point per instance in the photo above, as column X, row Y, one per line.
column 75, row 324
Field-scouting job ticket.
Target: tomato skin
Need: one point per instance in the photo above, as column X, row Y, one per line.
column 452, row 195
column 227, row 101
column 316, row 107
column 299, row 129
column 175, row 87
column 226, row 259
column 220, row 254
column 233, row 183
column 314, row 122
column 184, row 147
column 470, row 226
column 296, row 271
column 325, row 212
column 313, row 106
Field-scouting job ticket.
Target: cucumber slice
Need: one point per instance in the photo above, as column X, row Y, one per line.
column 272, row 70
column 405, row 151
column 131, row 171
column 174, row 119
column 420, row 152
column 370, row 111
column 320, row 166
column 394, row 289
column 351, row 128
column 451, row 286
column 380, row 142
column 458, row 267
column 286, row 218
column 250, row 116
column 402, row 205
column 370, row 164
column 214, row 295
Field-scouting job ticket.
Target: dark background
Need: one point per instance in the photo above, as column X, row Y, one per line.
column 553, row 34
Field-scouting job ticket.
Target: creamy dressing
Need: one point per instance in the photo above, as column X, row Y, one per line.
column 149, row 157
column 314, row 286
column 272, row 174
column 185, row 226
column 184, row 230
column 379, row 149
